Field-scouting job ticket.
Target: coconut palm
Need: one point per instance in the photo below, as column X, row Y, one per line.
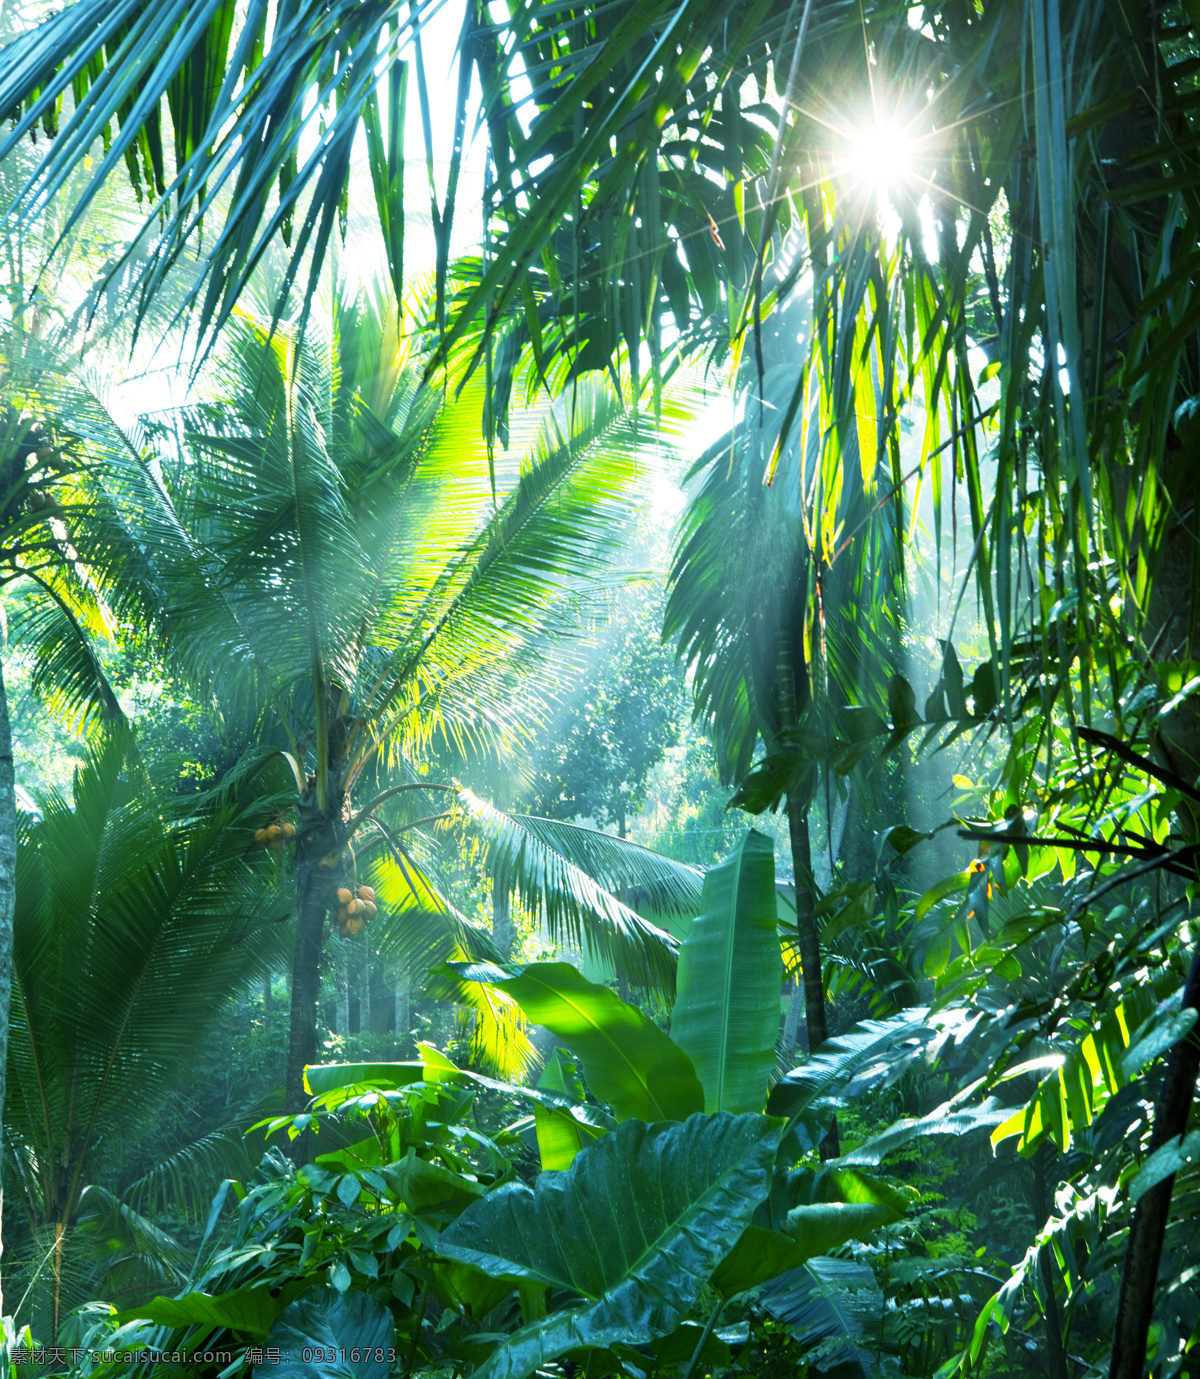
column 327, row 561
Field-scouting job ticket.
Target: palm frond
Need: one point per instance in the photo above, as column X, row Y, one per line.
column 573, row 906
column 131, row 930
column 869, row 1052
column 59, row 624
column 240, row 101
column 646, row 880
column 834, row 1308
column 184, row 1181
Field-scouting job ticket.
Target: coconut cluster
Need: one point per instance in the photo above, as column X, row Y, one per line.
column 354, row 909
column 275, row 835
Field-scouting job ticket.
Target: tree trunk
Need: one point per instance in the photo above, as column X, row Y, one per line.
column 806, row 930
column 809, row 943
column 364, row 996
column 311, row 909
column 403, row 1011
column 8, row 869
column 795, row 1013
column 342, row 981
column 1042, row 1202
column 1142, row 1255
column 502, row 925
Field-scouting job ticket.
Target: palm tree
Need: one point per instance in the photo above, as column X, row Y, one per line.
column 57, row 617
column 1040, row 179
column 134, row 924
column 327, row 561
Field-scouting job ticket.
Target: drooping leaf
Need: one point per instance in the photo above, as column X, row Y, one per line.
column 560, row 1133
column 885, row 1045
column 1165, row 1162
column 320, row 1078
column 834, row 1308
column 626, row 1059
column 949, row 1119
column 251, row 1311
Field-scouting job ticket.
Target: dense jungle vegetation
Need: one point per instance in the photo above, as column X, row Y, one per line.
column 600, row 702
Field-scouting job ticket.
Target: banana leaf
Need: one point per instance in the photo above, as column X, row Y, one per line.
column 726, row 1016
column 626, row 1059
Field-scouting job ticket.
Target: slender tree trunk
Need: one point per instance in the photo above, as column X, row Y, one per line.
column 268, row 995
column 795, row 1013
column 342, row 1015
column 806, row 929
column 810, row 948
column 364, row 998
column 502, row 925
column 1043, row 1203
column 403, row 1011
column 8, row 870
column 1144, row 1252
column 311, row 910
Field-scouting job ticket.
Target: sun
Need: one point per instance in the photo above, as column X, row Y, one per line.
column 880, row 158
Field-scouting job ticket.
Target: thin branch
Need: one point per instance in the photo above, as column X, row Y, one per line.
column 368, row 809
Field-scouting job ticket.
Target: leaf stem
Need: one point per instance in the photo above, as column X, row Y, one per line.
column 703, row 1341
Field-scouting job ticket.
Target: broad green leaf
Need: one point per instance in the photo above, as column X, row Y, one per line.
column 1163, row 1037
column 470, row 1291
column 634, row 1228
column 1167, row 1160
column 726, row 1016
column 560, row 1134
column 947, row 886
column 251, row 1311
column 759, row 1254
column 320, row 1078
column 352, row 1328
column 820, row 1227
column 430, row 1191
column 627, row 1060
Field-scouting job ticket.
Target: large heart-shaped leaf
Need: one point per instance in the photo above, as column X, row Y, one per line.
column 634, row 1228
column 355, row 1332
column 627, row 1060
column 726, row 1016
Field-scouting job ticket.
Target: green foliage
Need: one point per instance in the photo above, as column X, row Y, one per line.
column 615, row 728
column 626, row 1059
column 134, row 925
column 728, row 964
column 663, row 1203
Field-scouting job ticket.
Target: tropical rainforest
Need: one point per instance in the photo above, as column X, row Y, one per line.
column 600, row 702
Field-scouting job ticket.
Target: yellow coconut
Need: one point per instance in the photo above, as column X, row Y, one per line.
column 345, row 896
